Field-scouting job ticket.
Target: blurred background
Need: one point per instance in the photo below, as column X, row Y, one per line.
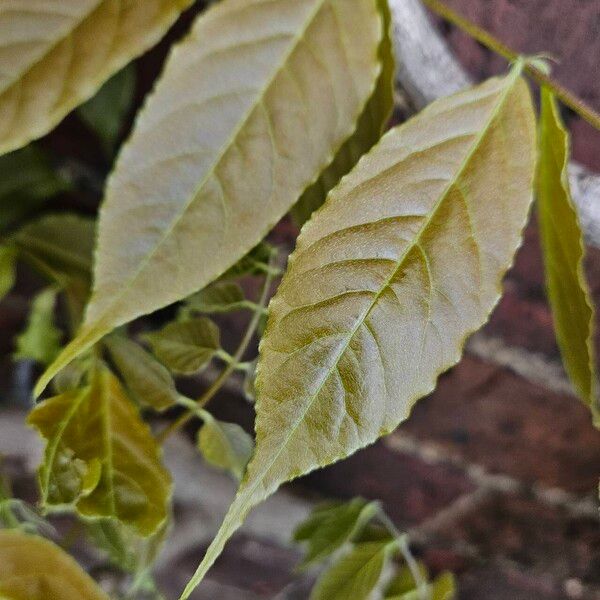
column 495, row 475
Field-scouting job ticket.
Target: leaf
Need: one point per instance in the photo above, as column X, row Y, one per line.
column 256, row 262
column 369, row 128
column 8, row 269
column 27, row 180
column 149, row 382
column 443, row 588
column 250, row 109
column 563, row 250
column 225, row 445
column 404, row 581
column 32, row 568
column 41, row 339
column 356, row 574
column 186, row 346
column 329, row 528
column 101, row 457
column 220, row 297
column 106, row 112
column 400, row 265
column 57, row 55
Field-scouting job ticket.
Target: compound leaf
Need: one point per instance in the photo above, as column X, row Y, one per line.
column 101, row 457
column 33, row 568
column 401, row 264
column 55, row 55
column 250, row 109
column 563, row 250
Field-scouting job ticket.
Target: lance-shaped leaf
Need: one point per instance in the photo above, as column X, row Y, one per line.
column 101, row 457
column 186, row 346
column 32, row 568
column 369, row 128
column 251, row 108
column 400, row 265
column 149, row 382
column 356, row 574
column 563, row 249
column 55, row 55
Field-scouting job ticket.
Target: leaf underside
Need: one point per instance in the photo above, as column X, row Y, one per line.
column 55, row 55
column 563, row 250
column 400, row 265
column 252, row 106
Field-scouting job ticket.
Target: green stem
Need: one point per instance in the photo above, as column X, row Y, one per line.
column 495, row 45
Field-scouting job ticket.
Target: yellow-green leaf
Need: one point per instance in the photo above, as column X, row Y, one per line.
column 149, row 382
column 250, row 109
column 224, row 445
column 55, row 55
column 101, row 457
column 8, row 269
column 369, row 128
column 401, row 264
column 219, row 297
column 563, row 250
column 32, row 568
column 442, row 588
column 356, row 574
column 186, row 346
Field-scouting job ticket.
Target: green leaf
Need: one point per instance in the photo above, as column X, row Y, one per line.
column 443, row 588
column 224, row 445
column 329, row 528
column 404, row 581
column 41, row 339
column 220, row 297
column 101, row 457
column 369, row 128
column 563, row 250
column 8, row 269
column 356, row 574
column 56, row 56
column 149, row 382
column 32, row 568
column 251, row 107
column 401, row 264
column 27, row 180
column 186, row 346
column 106, row 112
column 256, row 262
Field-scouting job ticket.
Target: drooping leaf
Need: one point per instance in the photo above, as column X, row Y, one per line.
column 400, row 265
column 250, row 109
column 8, row 269
column 219, row 297
column 27, row 180
column 225, row 445
column 331, row 527
column 106, row 112
column 186, row 346
column 33, row 568
column 563, row 250
column 369, row 128
column 55, row 55
column 101, row 457
column 356, row 574
column 149, row 382
column 41, row 339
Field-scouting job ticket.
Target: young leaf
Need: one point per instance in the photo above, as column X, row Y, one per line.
column 400, row 265
column 105, row 113
column 32, row 568
column 356, row 574
column 330, row 528
column 250, row 109
column 369, row 128
column 442, row 588
column 225, row 445
column 149, row 382
column 101, row 457
column 219, row 297
column 8, row 269
column 41, row 339
column 186, row 346
column 55, row 56
column 563, row 249
column 256, row 262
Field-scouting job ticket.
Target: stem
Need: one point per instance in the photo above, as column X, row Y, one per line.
column 230, row 368
column 495, row 45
